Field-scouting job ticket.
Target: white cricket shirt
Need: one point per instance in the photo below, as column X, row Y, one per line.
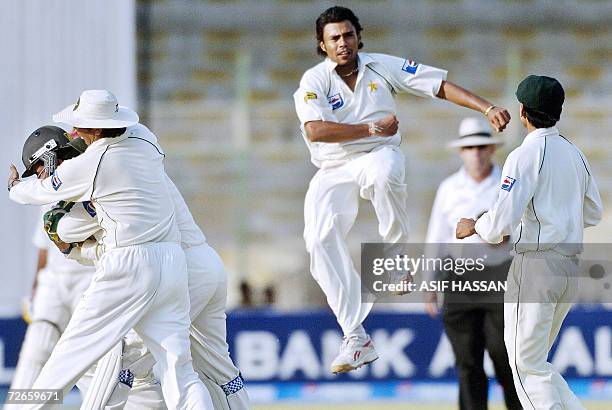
column 124, row 178
column 81, row 223
column 547, row 196
column 191, row 234
column 460, row 196
column 323, row 95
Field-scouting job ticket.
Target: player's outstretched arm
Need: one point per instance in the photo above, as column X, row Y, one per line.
column 330, row 131
column 498, row 117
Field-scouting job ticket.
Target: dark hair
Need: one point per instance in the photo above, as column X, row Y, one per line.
column 112, row 132
column 539, row 119
column 336, row 14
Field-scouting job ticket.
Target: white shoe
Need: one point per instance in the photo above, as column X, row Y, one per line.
column 355, row 352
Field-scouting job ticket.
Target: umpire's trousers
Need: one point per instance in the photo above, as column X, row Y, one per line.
column 472, row 329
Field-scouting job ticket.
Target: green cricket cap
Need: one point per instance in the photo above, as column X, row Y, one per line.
column 542, row 94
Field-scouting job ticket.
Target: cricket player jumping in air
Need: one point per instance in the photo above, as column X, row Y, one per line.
column 348, row 117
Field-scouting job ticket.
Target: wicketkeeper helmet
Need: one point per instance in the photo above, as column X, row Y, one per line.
column 47, row 144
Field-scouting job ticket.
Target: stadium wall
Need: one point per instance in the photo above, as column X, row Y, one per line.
column 52, row 50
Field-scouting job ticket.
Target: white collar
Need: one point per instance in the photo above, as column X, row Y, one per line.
column 103, row 142
column 541, row 132
column 363, row 60
column 466, row 180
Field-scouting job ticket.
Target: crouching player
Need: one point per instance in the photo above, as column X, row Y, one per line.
column 59, row 282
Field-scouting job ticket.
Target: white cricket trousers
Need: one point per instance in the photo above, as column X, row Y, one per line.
column 541, row 289
column 142, row 287
column 330, row 209
column 209, row 349
column 57, row 295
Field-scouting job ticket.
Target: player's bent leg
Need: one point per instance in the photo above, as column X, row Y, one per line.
column 239, row 400
column 123, row 379
column 530, row 365
column 110, row 307
column 40, row 339
column 218, row 397
column 49, row 314
column 146, row 391
column 330, row 210
column 206, row 275
column 531, row 319
column 180, row 384
column 211, row 358
column 210, row 362
column 569, row 266
column 208, row 291
column 105, row 382
column 146, row 394
column 381, row 177
column 165, row 332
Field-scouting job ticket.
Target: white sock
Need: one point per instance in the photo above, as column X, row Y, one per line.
column 359, row 331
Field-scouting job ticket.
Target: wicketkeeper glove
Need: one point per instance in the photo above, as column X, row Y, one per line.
column 52, row 218
column 26, row 310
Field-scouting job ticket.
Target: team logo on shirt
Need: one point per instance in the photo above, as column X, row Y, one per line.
column 90, row 208
column 508, row 183
column 309, row 96
column 55, row 181
column 373, row 86
column 336, row 101
column 410, row 66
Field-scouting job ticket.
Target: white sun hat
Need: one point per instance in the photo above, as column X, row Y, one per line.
column 474, row 131
column 97, row 109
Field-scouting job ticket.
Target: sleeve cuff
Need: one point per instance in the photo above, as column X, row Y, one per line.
column 483, row 230
column 442, row 78
column 90, row 250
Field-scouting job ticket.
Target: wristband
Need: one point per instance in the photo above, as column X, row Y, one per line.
column 373, row 129
column 488, row 110
column 12, row 184
column 68, row 249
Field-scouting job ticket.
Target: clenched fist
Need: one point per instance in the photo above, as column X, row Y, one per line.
column 465, row 228
column 388, row 126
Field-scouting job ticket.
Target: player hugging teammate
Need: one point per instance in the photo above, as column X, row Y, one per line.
column 159, row 291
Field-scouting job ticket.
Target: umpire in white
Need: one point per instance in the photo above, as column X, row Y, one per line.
column 473, row 322
column 547, row 196
column 141, row 279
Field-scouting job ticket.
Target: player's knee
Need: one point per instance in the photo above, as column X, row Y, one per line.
column 520, row 366
column 388, row 177
column 41, row 338
column 316, row 243
column 325, row 234
column 382, row 174
column 528, row 365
